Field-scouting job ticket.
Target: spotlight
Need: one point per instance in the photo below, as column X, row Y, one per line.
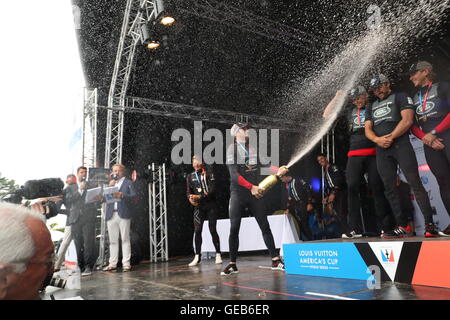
column 147, row 39
column 162, row 13
column 167, row 21
column 152, row 45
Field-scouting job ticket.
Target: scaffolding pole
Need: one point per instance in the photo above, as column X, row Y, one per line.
column 89, row 128
column 158, row 214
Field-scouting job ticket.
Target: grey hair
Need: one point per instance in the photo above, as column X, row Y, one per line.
column 16, row 243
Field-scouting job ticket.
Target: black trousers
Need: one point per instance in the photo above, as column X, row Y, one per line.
column 401, row 153
column 202, row 212
column 83, row 234
column 298, row 210
column 356, row 168
column 439, row 163
column 340, row 207
column 239, row 201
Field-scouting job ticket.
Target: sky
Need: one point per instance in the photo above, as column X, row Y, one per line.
column 41, row 87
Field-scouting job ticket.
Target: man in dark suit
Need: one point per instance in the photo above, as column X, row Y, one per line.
column 82, row 221
column 118, row 216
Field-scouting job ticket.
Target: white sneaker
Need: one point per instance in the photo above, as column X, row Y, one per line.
column 218, row 258
column 351, row 235
column 195, row 262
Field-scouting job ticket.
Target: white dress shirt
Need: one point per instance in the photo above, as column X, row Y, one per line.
column 119, row 185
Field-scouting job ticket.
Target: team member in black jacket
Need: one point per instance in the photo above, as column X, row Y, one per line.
column 361, row 160
column 201, row 194
column 388, row 120
column 299, row 198
column 335, row 191
column 432, row 105
column 244, row 168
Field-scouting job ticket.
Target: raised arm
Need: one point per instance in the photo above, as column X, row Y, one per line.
column 338, row 98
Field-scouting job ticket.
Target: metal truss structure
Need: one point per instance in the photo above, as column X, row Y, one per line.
column 182, row 111
column 138, row 12
column 89, row 129
column 102, row 237
column 89, row 159
column 158, row 214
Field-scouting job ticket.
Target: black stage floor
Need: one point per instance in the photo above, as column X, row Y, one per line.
column 174, row 280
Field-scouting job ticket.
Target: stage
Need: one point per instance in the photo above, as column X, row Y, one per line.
column 174, row 280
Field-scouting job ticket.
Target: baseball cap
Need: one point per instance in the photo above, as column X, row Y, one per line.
column 356, row 92
column 420, row 65
column 377, row 81
column 240, row 125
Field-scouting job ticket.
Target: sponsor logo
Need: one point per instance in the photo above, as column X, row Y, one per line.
column 381, row 112
column 430, row 106
column 387, row 255
column 335, row 260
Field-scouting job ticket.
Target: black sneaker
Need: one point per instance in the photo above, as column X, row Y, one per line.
column 399, row 232
column 351, row 235
column 430, row 231
column 445, row 232
column 277, row 265
column 230, row 269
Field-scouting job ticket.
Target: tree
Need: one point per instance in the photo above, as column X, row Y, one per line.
column 7, row 186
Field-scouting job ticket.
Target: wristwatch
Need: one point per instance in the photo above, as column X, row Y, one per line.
column 433, row 132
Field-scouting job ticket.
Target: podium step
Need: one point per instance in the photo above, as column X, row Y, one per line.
column 415, row 260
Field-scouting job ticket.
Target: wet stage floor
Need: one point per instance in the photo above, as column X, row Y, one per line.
column 174, row 280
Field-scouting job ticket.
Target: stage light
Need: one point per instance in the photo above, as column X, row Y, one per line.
column 167, row 21
column 315, row 184
column 147, row 38
column 163, row 13
column 152, row 45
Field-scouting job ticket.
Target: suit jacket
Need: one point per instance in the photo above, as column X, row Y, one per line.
column 76, row 206
column 123, row 206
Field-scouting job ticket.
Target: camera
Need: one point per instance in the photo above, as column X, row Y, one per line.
column 33, row 189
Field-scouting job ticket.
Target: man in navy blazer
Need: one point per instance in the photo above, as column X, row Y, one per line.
column 118, row 218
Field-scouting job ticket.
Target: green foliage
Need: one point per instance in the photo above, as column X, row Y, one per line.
column 7, row 186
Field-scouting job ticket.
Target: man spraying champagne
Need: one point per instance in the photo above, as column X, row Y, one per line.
column 244, row 168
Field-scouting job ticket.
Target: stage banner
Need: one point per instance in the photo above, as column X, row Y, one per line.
column 429, row 182
column 334, row 260
column 432, row 268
